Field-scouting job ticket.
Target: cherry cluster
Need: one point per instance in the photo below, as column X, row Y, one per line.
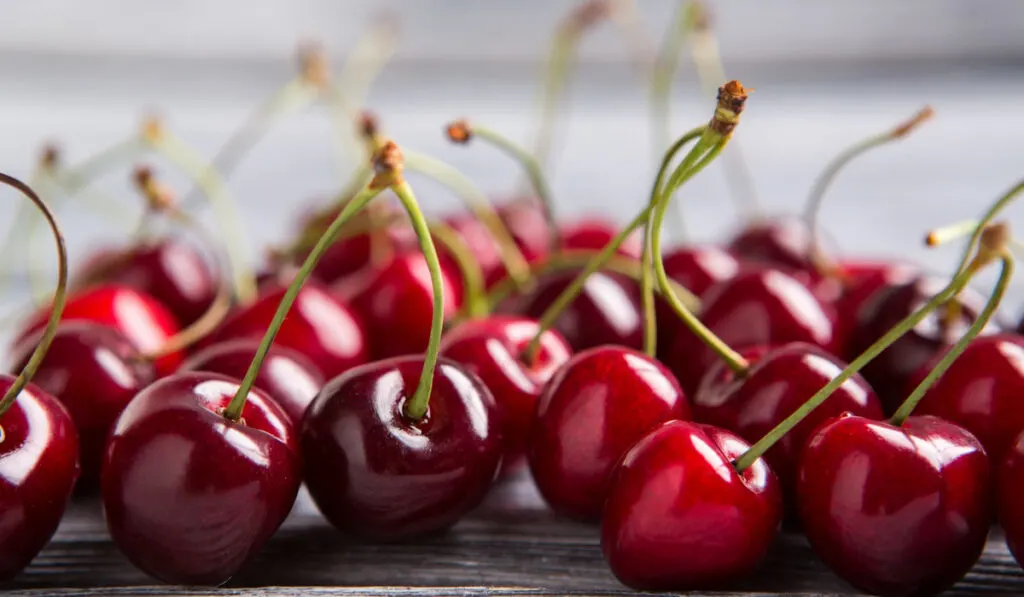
column 691, row 400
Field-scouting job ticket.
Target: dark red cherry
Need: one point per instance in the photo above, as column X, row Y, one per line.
column 594, row 233
column 889, row 372
column 698, row 268
column 139, row 317
column 480, row 243
column 679, row 517
column 592, row 411
column 351, row 254
column 755, row 308
column 525, row 221
column 774, row 387
column 783, row 242
column 318, row 326
column 981, row 391
column 94, row 371
column 375, row 473
column 38, row 469
column 171, row 271
column 287, row 376
column 189, row 496
column 1009, row 489
column 895, row 510
column 396, row 305
column 492, row 348
column 716, row 385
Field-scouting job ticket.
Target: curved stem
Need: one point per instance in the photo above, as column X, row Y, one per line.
column 75, row 179
column 59, row 297
column 985, row 220
column 665, row 66
column 234, row 409
column 941, row 236
column 765, row 443
column 908, row 406
column 474, row 289
column 416, row 407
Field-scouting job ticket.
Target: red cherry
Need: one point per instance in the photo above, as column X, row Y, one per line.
column 679, row 517
column 38, row 469
column 171, row 271
column 143, row 320
column 698, row 268
column 526, row 223
column 492, row 349
column 375, row 473
column 755, row 308
column 94, row 371
column 774, row 387
column 1009, row 489
column 397, row 303
column 593, row 234
column 716, row 385
column 889, row 372
column 981, row 391
column 783, row 242
column 480, row 243
column 287, row 376
column 592, row 411
column 895, row 510
column 349, row 255
column 861, row 280
column 318, row 326
column 190, row 497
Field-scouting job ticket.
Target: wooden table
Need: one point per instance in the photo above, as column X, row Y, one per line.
column 511, row 546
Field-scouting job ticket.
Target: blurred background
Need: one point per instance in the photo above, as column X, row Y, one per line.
column 83, row 75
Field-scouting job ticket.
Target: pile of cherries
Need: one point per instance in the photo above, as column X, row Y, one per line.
column 371, row 368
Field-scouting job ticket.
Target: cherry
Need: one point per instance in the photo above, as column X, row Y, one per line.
column 395, row 306
column 319, row 326
column 592, row 411
column 190, row 496
column 525, row 221
column 980, row 391
column 594, row 234
column 1009, row 488
column 94, row 371
column 699, row 268
column 755, row 308
column 678, row 515
column 351, row 254
column 171, row 271
column 38, row 469
column 481, row 244
column 287, row 376
column 888, row 374
column 773, row 388
column 785, row 243
column 861, row 280
column 139, row 317
column 374, row 471
column 895, row 510
column 492, row 349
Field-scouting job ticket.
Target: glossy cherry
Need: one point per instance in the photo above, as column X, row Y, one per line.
column 139, row 317
column 775, row 386
column 525, row 221
column 679, row 517
column 782, row 242
column 698, row 268
column 888, row 374
column 171, row 271
column 94, row 371
column 981, row 391
column 895, row 510
column 592, row 411
column 755, row 308
column 860, row 280
column 375, row 473
column 492, row 348
column 38, row 469
column 481, row 244
column 396, row 305
column 318, row 326
column 594, row 233
column 190, row 496
column 1009, row 489
column 287, row 376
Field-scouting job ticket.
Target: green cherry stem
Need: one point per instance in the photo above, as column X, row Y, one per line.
column 75, row 179
column 59, row 297
column 665, row 65
column 985, row 220
column 476, row 304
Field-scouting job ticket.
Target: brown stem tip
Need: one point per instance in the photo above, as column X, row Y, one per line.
column 313, row 64
column 388, row 163
column 994, row 242
column 588, row 14
column 700, row 18
column 158, row 197
column 731, row 98
column 904, row 129
column 152, row 128
column 459, row 132
column 368, row 125
column 50, row 157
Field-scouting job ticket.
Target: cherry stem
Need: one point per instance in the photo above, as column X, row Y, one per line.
column 983, row 223
column 908, row 406
column 234, row 409
column 75, row 179
column 765, row 443
column 59, row 297
column 815, row 198
column 476, row 304
column 941, row 236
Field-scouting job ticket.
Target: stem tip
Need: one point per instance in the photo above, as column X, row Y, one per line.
column 459, row 132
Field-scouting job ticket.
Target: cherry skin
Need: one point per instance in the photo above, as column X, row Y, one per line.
column 142, row 319
column 481, row 244
column 895, row 510
column 861, row 279
column 755, row 308
column 592, row 411
column 94, row 371
column 698, row 268
column 1009, row 489
column 171, row 271
column 981, row 391
column 709, row 402
column 774, row 387
column 783, row 242
column 679, row 517
column 190, row 497
column 889, row 372
column 288, row 377
column 374, row 473
column 319, row 326
column 492, row 349
column 594, row 233
column 38, row 469
column 527, row 225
